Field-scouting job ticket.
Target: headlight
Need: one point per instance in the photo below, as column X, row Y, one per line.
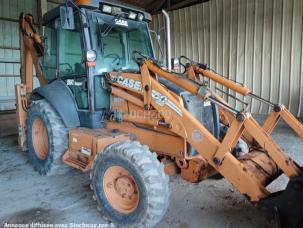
column 107, row 9
column 91, row 56
column 116, row 10
column 132, row 15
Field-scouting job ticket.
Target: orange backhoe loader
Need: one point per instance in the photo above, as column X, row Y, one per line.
column 105, row 106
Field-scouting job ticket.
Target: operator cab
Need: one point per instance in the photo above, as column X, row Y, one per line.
column 102, row 37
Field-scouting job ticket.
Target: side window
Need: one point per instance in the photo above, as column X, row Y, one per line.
column 71, row 63
column 49, row 62
column 71, row 60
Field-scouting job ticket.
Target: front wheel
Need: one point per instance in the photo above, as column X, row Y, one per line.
column 130, row 185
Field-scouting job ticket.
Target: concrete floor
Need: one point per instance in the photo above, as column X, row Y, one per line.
column 26, row 197
column 9, row 128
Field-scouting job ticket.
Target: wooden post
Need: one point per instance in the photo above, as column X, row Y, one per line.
column 42, row 9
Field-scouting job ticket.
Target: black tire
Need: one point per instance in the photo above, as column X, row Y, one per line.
column 56, row 135
column 149, row 176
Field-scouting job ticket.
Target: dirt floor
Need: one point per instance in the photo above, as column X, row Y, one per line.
column 27, row 197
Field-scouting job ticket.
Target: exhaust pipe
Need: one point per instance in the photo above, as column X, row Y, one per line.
column 168, row 40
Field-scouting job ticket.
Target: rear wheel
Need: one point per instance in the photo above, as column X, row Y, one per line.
column 130, row 185
column 46, row 138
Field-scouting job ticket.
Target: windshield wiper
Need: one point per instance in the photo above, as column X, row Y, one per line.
column 120, row 70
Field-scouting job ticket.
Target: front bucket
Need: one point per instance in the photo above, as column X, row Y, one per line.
column 285, row 208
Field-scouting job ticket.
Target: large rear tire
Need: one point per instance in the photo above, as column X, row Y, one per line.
column 130, row 185
column 46, row 138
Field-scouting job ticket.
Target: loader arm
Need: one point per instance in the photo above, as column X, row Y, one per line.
column 151, row 95
column 194, row 70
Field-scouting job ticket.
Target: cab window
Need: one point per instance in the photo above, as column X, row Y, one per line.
column 49, row 63
column 71, row 60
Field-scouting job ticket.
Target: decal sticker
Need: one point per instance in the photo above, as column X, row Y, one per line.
column 130, row 83
column 72, row 82
column 163, row 100
column 197, row 135
column 158, row 97
column 86, row 151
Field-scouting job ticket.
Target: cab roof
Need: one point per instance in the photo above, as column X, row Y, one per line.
column 94, row 4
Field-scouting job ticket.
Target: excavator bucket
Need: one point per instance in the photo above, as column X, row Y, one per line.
column 285, row 208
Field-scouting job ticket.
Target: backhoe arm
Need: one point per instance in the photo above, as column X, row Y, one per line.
column 32, row 48
column 32, row 51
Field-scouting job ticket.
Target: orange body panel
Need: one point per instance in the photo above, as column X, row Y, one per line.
column 85, row 144
column 83, row 2
column 164, row 144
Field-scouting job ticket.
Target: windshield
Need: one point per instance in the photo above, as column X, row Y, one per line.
column 115, row 41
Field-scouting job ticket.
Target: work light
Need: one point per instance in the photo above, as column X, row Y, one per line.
column 140, row 17
column 107, row 9
column 116, row 10
column 132, row 15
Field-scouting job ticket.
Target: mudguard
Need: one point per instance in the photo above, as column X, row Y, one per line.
column 62, row 100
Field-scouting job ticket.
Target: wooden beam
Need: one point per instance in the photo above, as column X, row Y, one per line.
column 42, row 9
column 182, row 4
column 168, row 4
column 186, row 3
column 56, row 1
column 156, row 6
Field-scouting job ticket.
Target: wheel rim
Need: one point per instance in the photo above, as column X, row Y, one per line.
column 40, row 139
column 120, row 189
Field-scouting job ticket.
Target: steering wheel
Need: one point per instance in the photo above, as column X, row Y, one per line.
column 113, row 56
column 69, row 68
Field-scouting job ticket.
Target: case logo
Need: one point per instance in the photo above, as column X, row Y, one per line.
column 130, row 83
column 121, row 22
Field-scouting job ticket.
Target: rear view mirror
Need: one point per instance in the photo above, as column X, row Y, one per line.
column 176, row 66
column 67, row 18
